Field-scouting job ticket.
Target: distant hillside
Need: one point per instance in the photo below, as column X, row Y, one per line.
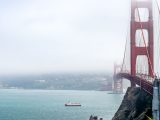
column 85, row 81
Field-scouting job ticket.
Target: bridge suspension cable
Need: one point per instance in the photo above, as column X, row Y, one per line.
column 144, row 40
column 158, row 6
column 158, row 35
column 124, row 56
column 141, row 68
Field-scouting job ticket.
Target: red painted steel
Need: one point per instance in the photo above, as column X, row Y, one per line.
column 143, row 83
column 140, row 80
column 147, row 25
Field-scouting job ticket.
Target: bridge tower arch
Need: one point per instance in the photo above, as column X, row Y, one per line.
column 135, row 25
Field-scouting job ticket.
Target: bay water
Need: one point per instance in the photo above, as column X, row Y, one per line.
column 19, row 104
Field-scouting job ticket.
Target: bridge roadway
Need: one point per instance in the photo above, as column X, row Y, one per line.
column 142, row 82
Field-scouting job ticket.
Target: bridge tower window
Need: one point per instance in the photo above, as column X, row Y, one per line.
column 142, row 67
column 141, row 14
column 141, row 36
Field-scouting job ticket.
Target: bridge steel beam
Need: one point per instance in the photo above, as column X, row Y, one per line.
column 143, row 83
column 140, row 25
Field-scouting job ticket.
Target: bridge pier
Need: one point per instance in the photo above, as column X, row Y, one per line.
column 156, row 98
column 133, row 84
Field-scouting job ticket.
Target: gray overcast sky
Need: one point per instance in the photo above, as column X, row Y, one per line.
column 62, row 35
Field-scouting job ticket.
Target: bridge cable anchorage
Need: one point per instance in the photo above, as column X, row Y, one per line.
column 145, row 43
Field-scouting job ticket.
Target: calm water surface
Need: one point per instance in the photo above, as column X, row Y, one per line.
column 49, row 104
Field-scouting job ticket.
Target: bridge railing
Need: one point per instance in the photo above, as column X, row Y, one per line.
column 125, row 71
column 141, row 75
column 145, row 76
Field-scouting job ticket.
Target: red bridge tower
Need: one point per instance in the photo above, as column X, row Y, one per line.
column 146, row 49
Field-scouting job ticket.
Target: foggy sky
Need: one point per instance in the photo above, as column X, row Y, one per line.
column 39, row 36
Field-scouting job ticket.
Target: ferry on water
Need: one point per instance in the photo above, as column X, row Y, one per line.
column 72, row 104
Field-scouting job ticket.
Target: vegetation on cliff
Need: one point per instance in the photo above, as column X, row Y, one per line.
column 136, row 105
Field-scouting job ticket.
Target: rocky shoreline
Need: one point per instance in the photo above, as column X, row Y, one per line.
column 136, row 105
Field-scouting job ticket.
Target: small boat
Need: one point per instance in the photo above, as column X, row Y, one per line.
column 94, row 118
column 72, row 104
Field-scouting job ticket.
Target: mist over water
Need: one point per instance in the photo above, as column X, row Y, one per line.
column 38, row 38
column 49, row 36
column 49, row 104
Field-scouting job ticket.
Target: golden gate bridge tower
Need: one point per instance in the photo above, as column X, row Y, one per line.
column 117, row 83
column 146, row 49
column 142, row 46
column 137, row 49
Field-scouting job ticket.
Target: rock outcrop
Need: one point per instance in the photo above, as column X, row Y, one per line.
column 136, row 105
